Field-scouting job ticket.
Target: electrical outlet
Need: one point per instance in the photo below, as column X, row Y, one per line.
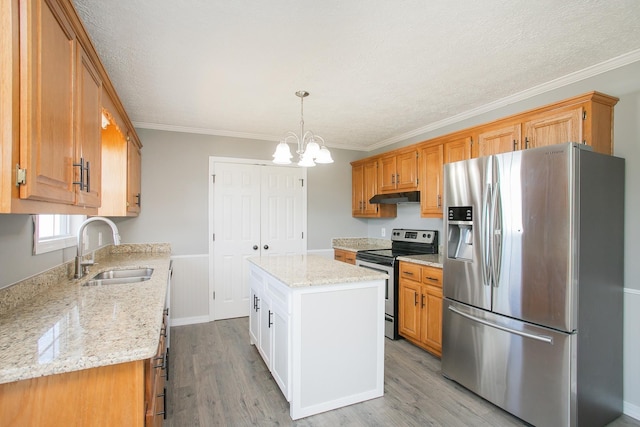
column 383, row 231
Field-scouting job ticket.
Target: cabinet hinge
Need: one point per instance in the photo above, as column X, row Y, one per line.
column 584, row 115
column 21, row 176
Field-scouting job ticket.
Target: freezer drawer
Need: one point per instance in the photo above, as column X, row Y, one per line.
column 517, row 366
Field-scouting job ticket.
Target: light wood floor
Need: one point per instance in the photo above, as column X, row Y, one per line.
column 218, row 379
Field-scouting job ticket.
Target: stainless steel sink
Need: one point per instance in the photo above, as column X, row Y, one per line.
column 112, row 277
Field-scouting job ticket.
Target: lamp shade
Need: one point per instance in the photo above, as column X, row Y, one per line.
column 282, row 156
column 306, row 161
column 324, row 156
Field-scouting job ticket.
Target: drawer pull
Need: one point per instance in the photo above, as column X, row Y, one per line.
column 408, row 273
column 435, row 279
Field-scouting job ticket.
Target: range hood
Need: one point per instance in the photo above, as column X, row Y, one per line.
column 393, row 198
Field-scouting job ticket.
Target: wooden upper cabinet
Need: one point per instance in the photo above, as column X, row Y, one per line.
column 122, row 163
column 431, row 161
column 499, row 138
column 47, row 81
column 364, row 185
column 398, row 171
column 553, row 128
column 88, row 137
column 357, row 189
column 134, row 169
column 433, row 156
column 457, row 149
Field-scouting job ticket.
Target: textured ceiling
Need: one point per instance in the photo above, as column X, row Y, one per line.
column 378, row 71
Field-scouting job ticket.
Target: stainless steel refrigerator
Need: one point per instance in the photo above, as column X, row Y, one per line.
column 533, row 282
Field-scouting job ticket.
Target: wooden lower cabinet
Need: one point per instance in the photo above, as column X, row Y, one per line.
column 126, row 394
column 345, row 256
column 420, row 306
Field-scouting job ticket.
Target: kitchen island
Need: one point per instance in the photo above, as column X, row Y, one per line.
column 319, row 326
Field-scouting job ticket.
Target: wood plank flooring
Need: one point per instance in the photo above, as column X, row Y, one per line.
column 218, row 379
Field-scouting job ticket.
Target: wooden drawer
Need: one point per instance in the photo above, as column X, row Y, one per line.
column 410, row 271
column 344, row 256
column 432, row 276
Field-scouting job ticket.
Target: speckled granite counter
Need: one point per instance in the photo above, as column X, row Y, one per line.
column 355, row 244
column 312, row 270
column 434, row 260
column 66, row 326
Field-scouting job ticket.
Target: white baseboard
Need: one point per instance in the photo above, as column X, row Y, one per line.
column 631, row 410
column 189, row 320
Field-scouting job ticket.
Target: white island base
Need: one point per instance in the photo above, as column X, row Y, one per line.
column 321, row 337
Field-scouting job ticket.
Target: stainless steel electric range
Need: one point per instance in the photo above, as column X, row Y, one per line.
column 403, row 242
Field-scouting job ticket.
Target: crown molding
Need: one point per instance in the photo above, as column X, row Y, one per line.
column 592, row 71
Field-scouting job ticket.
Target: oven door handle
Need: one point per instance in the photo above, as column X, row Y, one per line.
column 374, row 267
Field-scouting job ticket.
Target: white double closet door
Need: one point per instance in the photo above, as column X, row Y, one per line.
column 257, row 210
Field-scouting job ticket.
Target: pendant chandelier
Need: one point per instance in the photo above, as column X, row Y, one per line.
column 309, row 150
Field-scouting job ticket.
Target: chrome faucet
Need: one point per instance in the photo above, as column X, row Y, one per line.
column 80, row 265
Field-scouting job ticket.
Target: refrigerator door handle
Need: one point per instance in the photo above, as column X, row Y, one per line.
column 486, row 233
column 543, row 338
column 496, row 234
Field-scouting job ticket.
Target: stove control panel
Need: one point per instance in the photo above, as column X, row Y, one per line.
column 416, row 236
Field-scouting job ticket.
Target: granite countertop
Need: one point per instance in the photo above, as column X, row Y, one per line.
column 432, row 260
column 298, row 271
column 68, row 326
column 355, row 244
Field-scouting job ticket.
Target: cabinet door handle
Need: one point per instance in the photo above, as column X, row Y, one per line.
column 393, row 178
column 255, row 247
column 270, row 322
column 422, row 300
column 265, row 247
column 526, row 142
column 415, row 298
column 439, row 201
column 257, row 303
column 81, row 166
column 88, row 185
column 139, row 199
column 397, row 178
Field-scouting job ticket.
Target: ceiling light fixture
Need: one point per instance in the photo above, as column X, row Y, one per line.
column 309, row 150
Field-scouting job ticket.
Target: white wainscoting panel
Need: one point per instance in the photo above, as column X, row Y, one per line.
column 190, row 289
column 631, row 352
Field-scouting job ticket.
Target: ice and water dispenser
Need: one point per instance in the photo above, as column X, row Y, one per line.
column 460, row 233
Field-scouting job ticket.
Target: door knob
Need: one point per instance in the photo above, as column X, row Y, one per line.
column 255, row 247
column 266, row 246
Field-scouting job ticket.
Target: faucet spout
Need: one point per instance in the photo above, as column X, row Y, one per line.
column 116, row 240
